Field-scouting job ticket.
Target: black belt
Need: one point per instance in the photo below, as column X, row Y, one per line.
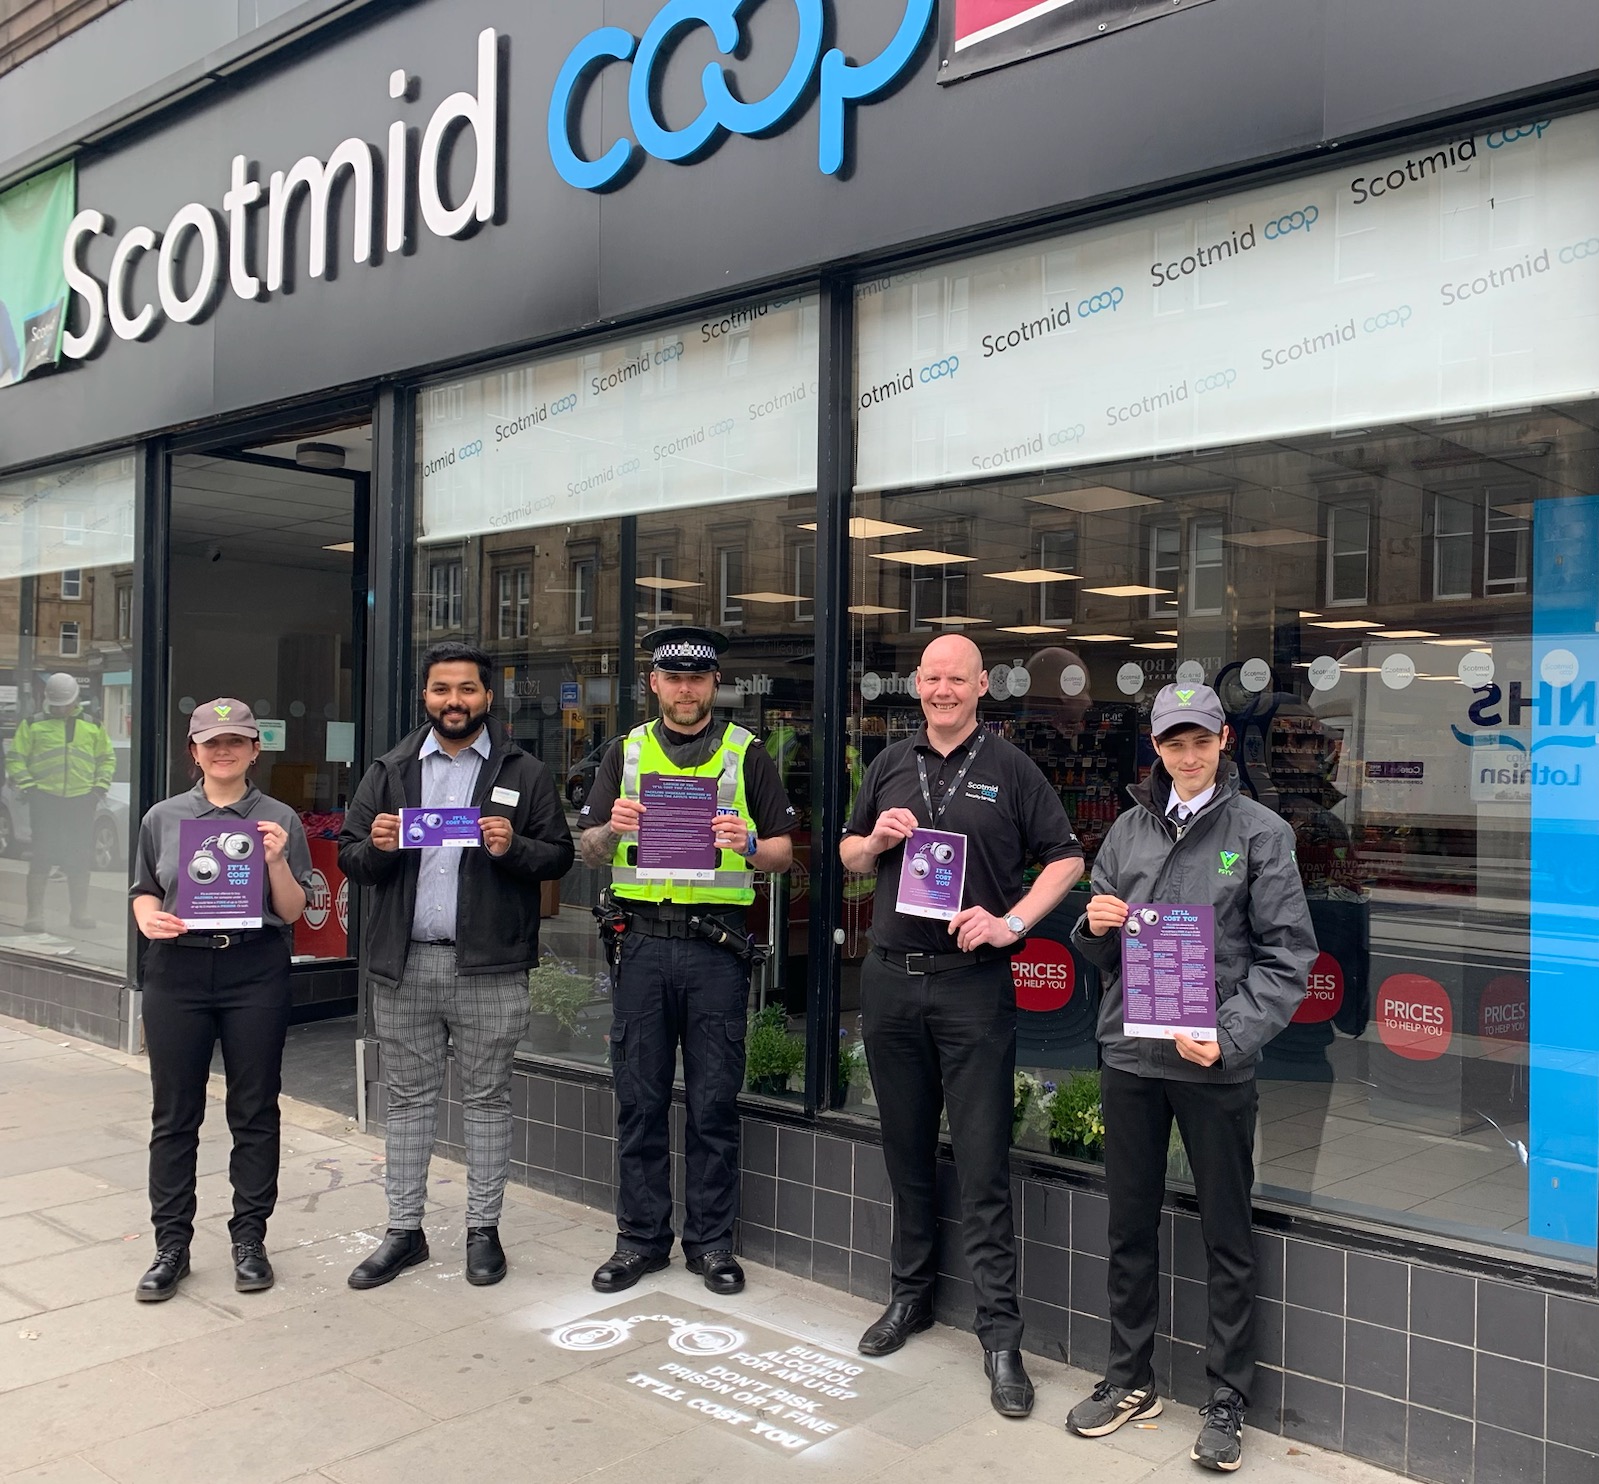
column 241, row 939
column 659, row 927
column 938, row 963
column 435, row 942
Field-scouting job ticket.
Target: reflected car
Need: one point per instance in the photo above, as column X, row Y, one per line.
column 581, row 777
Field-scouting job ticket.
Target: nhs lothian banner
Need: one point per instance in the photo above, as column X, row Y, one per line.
column 979, row 35
column 33, row 284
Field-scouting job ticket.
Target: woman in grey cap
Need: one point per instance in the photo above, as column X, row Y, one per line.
column 201, row 987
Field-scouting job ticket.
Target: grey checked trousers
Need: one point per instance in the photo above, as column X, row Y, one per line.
column 485, row 1015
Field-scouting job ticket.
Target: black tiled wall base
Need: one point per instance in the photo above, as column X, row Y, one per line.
column 76, row 1004
column 1439, row 1375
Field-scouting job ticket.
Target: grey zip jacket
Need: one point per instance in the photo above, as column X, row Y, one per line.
column 1238, row 857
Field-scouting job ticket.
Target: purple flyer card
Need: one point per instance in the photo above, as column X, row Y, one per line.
column 221, row 874
column 1169, row 971
column 674, row 836
column 434, row 829
column 932, row 877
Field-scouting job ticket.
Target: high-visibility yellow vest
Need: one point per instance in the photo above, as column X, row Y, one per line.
column 733, row 885
column 41, row 757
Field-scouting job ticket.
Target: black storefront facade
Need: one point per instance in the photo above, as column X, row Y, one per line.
column 1255, row 343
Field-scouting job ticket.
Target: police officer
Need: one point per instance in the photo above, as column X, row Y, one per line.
column 938, row 1006
column 62, row 764
column 682, row 969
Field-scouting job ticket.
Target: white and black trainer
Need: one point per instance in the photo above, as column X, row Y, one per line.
column 1220, row 1444
column 1110, row 1407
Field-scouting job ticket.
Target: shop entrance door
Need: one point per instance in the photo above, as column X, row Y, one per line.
column 267, row 603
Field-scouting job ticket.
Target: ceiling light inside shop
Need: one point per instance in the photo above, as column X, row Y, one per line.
column 1156, row 644
column 1360, row 669
column 872, row 610
column 1168, row 633
column 771, row 597
column 1306, row 613
column 1103, row 638
column 922, row 557
column 340, row 546
column 1034, row 574
column 665, row 584
column 957, row 620
column 1346, row 623
column 1405, row 634
column 1129, row 590
column 1031, row 628
column 1461, row 643
column 319, row 456
column 863, row 528
column 1278, row 537
column 1093, row 501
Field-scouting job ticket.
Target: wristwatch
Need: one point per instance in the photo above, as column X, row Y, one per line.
column 1016, row 925
column 749, row 850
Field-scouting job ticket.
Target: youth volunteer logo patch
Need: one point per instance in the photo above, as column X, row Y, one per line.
column 1229, row 859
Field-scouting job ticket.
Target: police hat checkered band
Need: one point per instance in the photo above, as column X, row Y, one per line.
column 686, row 650
column 1186, row 705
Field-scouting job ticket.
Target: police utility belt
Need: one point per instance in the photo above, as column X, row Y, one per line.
column 720, row 926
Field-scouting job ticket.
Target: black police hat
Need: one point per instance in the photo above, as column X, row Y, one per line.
column 685, row 649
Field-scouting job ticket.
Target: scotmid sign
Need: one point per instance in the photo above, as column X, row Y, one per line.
column 205, row 251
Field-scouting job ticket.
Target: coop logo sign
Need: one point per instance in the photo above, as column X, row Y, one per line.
column 839, row 83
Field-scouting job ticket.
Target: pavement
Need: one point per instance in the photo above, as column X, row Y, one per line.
column 428, row 1378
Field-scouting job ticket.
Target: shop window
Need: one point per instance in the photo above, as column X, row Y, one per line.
column 1057, row 552
column 1507, row 543
column 1207, row 577
column 1348, row 575
column 1165, row 567
column 66, row 547
column 444, row 595
column 716, row 531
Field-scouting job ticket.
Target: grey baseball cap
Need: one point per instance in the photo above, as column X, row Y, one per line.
column 224, row 717
column 1186, row 706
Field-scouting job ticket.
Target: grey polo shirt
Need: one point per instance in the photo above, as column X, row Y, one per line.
column 155, row 871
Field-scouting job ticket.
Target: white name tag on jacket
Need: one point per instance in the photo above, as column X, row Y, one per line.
column 503, row 795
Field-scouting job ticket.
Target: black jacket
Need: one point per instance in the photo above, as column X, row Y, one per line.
column 1238, row 857
column 497, row 912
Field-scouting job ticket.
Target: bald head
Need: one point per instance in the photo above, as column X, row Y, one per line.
column 950, row 679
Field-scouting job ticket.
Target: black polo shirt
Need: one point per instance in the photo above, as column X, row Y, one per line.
column 1004, row 806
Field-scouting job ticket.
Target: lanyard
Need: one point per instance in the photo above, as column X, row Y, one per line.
column 927, row 795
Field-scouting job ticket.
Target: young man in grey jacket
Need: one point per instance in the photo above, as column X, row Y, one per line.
column 1192, row 840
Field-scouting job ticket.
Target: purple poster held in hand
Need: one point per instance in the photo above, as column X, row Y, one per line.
column 434, row 829
column 1169, row 971
column 674, row 836
column 932, row 877
column 221, row 874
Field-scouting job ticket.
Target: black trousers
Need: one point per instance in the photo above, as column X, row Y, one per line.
column 194, row 997
column 1217, row 1121
column 62, row 834
column 935, row 1041
column 673, row 992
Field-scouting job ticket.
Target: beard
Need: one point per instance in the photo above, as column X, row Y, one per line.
column 687, row 714
column 455, row 722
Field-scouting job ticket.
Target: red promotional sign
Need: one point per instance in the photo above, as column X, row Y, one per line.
column 1044, row 975
column 1414, row 1017
column 323, row 930
column 1324, row 996
column 1502, row 1013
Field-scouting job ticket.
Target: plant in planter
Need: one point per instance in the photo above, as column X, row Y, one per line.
column 1028, row 1091
column 556, row 997
column 1076, row 1120
column 771, row 1055
column 852, row 1069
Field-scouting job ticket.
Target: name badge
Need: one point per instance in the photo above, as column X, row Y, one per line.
column 503, row 795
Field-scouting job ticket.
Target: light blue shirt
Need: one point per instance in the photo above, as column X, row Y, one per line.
column 446, row 783
column 1184, row 812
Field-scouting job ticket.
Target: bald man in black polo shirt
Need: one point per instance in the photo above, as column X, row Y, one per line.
column 938, row 1007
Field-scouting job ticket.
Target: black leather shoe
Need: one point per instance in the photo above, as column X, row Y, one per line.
column 400, row 1249
column 1011, row 1390
column 171, row 1267
column 485, row 1258
column 623, row 1269
column 901, row 1319
column 720, row 1270
column 251, row 1270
